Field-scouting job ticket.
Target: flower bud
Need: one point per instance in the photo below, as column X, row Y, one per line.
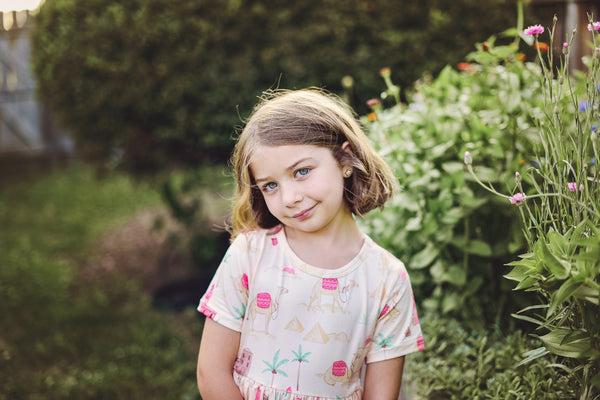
column 517, row 175
column 385, row 72
column 468, row 159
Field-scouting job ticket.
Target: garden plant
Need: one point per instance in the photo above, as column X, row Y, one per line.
column 558, row 200
column 511, row 119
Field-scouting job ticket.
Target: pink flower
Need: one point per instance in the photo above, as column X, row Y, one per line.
column 517, row 175
column 573, row 186
column 517, row 198
column 534, row 30
column 594, row 25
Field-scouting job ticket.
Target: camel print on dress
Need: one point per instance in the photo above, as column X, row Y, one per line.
column 329, row 288
column 264, row 305
column 340, row 372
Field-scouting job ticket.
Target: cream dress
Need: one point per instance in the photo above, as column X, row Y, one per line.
column 306, row 332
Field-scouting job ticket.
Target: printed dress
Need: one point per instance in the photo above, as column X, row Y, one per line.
column 306, row 331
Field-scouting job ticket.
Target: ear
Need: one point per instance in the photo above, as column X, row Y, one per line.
column 346, row 157
column 346, row 147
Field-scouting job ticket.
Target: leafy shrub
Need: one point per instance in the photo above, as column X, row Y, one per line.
column 453, row 235
column 472, row 364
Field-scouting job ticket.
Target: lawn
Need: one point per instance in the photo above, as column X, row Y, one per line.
column 66, row 334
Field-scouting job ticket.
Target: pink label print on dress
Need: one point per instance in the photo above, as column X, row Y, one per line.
column 330, row 283
column 263, row 300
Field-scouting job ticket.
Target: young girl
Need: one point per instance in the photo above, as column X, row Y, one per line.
column 303, row 298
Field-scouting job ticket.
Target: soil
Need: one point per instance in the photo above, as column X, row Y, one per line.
column 140, row 250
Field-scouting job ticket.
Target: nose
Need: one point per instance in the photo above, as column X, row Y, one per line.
column 290, row 194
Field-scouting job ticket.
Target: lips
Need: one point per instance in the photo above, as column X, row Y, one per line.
column 304, row 214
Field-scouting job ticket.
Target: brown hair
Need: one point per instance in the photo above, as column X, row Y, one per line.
column 307, row 117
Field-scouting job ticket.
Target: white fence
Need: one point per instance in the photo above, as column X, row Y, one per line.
column 24, row 126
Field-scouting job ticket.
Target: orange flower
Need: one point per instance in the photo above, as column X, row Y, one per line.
column 520, row 56
column 372, row 117
column 464, row 66
column 541, row 45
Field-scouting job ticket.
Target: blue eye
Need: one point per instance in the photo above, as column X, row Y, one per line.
column 269, row 187
column 302, row 172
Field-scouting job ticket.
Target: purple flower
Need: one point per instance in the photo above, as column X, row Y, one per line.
column 534, row 30
column 584, row 105
column 517, row 198
column 573, row 186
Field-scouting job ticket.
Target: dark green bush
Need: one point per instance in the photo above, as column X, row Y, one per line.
column 150, row 84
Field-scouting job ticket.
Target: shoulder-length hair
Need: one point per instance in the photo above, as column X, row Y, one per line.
column 307, row 117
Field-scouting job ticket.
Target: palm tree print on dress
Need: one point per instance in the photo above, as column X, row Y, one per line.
column 274, row 366
column 263, row 304
column 383, row 342
column 300, row 358
column 241, row 312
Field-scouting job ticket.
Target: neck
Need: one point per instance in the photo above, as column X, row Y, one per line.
column 328, row 248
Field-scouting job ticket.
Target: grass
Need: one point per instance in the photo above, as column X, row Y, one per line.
column 66, row 337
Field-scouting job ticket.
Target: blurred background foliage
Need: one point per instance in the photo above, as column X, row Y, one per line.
column 70, row 330
column 151, row 86
column 155, row 84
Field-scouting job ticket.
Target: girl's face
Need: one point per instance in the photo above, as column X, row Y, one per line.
column 303, row 186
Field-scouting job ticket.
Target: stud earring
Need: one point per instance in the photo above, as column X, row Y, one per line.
column 347, row 173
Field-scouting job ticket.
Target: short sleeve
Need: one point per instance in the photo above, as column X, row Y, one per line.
column 397, row 331
column 227, row 295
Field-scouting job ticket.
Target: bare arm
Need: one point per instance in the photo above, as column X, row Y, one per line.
column 383, row 379
column 218, row 349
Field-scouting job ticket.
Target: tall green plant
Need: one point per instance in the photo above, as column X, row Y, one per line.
column 558, row 200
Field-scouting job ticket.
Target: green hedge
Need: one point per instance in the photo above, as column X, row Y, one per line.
column 149, row 84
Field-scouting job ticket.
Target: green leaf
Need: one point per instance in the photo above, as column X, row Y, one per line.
column 453, row 166
column 455, row 275
column 424, row 257
column 567, row 343
column 528, row 319
column 559, row 268
column 533, row 355
column 587, row 293
column 526, row 283
column 473, row 246
column 565, row 291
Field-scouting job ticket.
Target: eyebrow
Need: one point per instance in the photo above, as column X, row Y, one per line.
column 258, row 181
